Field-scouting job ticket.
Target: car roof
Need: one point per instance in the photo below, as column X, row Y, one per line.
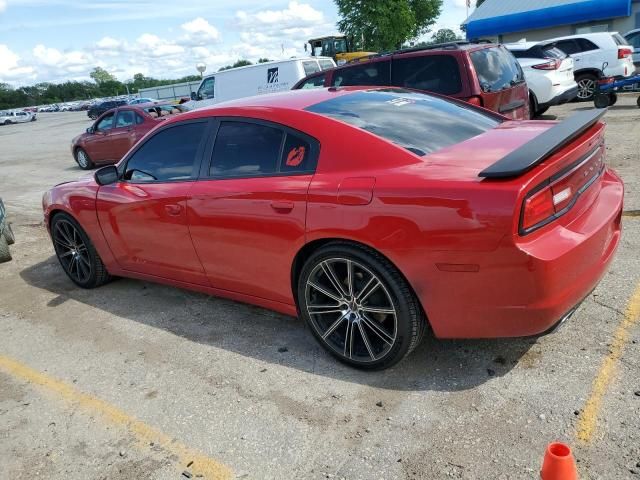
column 583, row 35
column 524, row 45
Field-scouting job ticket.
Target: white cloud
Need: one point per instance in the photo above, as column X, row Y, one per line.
column 109, row 43
column 10, row 66
column 200, row 32
column 294, row 15
column 3, row 5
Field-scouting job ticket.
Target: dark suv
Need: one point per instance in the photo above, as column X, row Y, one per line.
column 99, row 108
column 483, row 74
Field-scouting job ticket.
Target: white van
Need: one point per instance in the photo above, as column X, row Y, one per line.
column 257, row 79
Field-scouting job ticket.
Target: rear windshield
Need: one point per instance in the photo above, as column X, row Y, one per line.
column 496, row 68
column 418, row 122
column 620, row 40
column 551, row 51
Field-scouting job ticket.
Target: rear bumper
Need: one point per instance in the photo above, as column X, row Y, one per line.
column 526, row 288
column 562, row 98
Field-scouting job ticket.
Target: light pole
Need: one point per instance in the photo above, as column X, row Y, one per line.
column 201, row 67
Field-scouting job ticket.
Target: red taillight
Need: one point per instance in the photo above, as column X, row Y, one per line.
column 624, row 53
column 537, row 208
column 550, row 65
column 477, row 101
column 559, row 194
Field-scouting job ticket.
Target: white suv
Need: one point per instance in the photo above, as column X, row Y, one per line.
column 549, row 74
column 590, row 51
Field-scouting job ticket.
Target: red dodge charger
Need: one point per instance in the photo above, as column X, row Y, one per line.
column 370, row 213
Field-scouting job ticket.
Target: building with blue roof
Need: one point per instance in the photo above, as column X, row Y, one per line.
column 512, row 20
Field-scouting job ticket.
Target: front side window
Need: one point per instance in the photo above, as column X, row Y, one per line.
column 370, row 73
column 634, row 40
column 417, row 122
column 434, row 73
column 170, row 155
column 207, row 89
column 326, row 64
column 497, row 69
column 105, row 123
column 125, row 118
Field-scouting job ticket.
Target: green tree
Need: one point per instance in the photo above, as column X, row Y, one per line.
column 100, row 75
column 386, row 24
column 444, row 35
column 264, row 60
column 479, row 2
column 239, row 63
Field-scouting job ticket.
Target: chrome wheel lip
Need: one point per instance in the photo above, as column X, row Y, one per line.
column 352, row 310
column 71, row 251
column 586, row 88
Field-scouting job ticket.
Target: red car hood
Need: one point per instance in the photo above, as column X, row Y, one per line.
column 474, row 155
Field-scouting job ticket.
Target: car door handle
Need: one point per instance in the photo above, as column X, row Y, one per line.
column 173, row 209
column 282, row 206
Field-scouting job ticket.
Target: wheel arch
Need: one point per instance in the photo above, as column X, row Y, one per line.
column 588, row 71
column 309, row 248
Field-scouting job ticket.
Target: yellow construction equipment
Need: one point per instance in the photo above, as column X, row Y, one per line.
column 341, row 48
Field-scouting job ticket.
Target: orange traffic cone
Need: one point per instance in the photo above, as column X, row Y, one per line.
column 558, row 463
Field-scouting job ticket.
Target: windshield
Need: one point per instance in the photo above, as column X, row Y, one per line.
column 418, row 122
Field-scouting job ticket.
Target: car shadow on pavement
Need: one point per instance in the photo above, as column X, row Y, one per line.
column 439, row 365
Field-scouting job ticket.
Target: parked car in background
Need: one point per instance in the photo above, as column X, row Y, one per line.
column 590, row 52
column 259, row 79
column 16, row 116
column 116, row 131
column 99, row 108
column 633, row 38
column 482, row 74
column 359, row 210
column 137, row 101
column 6, row 235
column 549, row 74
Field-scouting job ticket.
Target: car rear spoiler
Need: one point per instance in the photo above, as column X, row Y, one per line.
column 541, row 147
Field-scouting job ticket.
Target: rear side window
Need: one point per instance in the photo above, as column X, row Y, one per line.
column 244, row 149
column 316, row 81
column 418, row 122
column 310, row 67
column 169, row 155
column 568, row 46
column 586, row 45
column 296, row 155
column 434, row 73
column 496, row 68
column 635, row 40
column 370, row 73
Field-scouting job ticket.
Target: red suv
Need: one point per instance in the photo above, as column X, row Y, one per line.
column 483, row 74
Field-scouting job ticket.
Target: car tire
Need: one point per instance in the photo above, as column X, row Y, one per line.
column 7, row 122
column 601, row 100
column 613, row 99
column 83, row 160
column 5, row 254
column 76, row 254
column 587, row 83
column 638, row 102
column 533, row 106
column 8, row 234
column 369, row 318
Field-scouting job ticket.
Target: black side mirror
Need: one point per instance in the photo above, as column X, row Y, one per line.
column 90, row 130
column 106, row 175
column 193, row 95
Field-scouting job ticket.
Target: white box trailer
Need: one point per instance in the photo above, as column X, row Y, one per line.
column 257, row 79
column 175, row 91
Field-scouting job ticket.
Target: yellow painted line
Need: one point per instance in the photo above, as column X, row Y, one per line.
column 631, row 213
column 143, row 433
column 589, row 416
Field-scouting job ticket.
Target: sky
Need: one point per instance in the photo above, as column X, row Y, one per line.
column 59, row 40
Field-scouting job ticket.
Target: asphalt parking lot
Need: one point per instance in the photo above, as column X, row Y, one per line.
column 140, row 381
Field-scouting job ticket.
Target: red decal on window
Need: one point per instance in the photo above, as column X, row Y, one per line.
column 295, row 157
